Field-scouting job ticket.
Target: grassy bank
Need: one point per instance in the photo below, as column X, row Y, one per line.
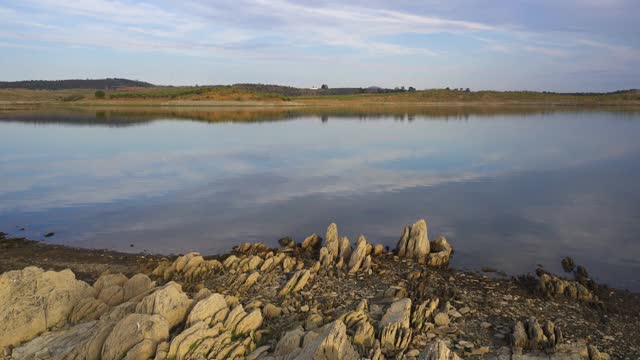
column 239, row 95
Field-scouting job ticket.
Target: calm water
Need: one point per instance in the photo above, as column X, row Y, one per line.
column 510, row 189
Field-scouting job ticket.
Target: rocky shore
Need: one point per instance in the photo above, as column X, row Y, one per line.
column 319, row 298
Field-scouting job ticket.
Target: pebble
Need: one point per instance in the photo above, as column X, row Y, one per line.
column 441, row 319
column 466, row 344
column 304, row 308
column 485, row 325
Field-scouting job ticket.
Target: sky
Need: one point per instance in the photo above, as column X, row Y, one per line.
column 557, row 45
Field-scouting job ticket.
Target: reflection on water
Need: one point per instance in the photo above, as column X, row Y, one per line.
column 510, row 188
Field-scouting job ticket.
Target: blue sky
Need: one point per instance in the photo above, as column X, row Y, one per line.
column 561, row 45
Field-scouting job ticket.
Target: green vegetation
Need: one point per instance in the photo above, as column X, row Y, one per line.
column 74, row 97
column 99, row 94
column 114, row 83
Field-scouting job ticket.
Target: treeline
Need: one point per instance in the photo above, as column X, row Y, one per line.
column 105, row 84
column 325, row 90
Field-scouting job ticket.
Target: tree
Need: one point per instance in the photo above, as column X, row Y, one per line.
column 467, row 90
column 99, row 94
column 324, row 87
column 412, row 89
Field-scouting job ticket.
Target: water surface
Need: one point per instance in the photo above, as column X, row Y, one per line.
column 509, row 188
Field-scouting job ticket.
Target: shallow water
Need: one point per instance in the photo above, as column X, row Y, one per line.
column 509, row 188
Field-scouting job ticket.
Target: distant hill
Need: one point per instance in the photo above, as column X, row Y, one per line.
column 104, row 84
column 293, row 91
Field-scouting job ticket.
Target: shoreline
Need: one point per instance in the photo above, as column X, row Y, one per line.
column 482, row 312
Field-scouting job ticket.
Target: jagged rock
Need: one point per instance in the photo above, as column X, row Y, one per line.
column 358, row 255
column 230, row 262
column 212, row 308
column 366, row 264
column 249, row 323
column 108, row 280
column 33, row 300
column 288, row 264
column 87, row 309
column 235, row 316
column 532, row 336
column 313, row 321
column 440, row 252
column 331, row 241
column 442, row 319
column 325, row 258
column 344, row 249
column 519, row 337
column 182, row 343
column 550, row 285
column 250, row 263
column 438, row 350
column 414, row 242
column 378, row 249
column 257, row 353
column 313, row 241
column 135, row 337
column 271, row 311
column 332, row 344
column 249, row 281
column 394, row 327
column 287, row 243
column 169, row 301
column 289, row 342
column 395, row 293
column 364, row 334
column 296, row 283
column 137, row 285
column 424, row 313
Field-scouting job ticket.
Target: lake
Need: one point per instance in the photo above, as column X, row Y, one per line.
column 509, row 188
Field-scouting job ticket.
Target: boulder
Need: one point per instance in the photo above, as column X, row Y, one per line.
column 344, row 250
column 249, row 323
column 437, row 350
column 313, row 241
column 169, row 301
column 358, row 255
column 331, row 241
column 414, row 242
column 33, row 300
column 57, row 344
column 289, row 342
column 394, row 327
column 107, row 280
column 424, row 313
column 332, row 344
column 296, row 283
column 137, row 285
column 87, row 309
column 187, row 341
column 271, row 311
column 135, row 337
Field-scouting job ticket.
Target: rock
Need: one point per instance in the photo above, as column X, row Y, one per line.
column 258, row 352
column 108, row 280
column 364, row 334
column 289, row 342
column 33, row 300
column 249, row 263
column 442, row 319
column 414, row 242
column 441, row 252
column 358, row 255
column 331, row 241
column 313, row 241
column 568, row 265
column 135, row 337
column 519, row 337
column 325, row 258
column 249, row 323
column 438, row 350
column 296, row 283
column 112, row 295
column 313, row 321
column 213, row 308
column 235, row 316
column 250, row 281
column 184, row 342
column 366, row 264
column 332, row 344
column 424, row 313
column 169, row 301
column 87, row 309
column 288, row 264
column 378, row 249
column 55, row 345
column 287, row 243
column 137, row 285
column 271, row 311
column 344, row 249
column 394, row 327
